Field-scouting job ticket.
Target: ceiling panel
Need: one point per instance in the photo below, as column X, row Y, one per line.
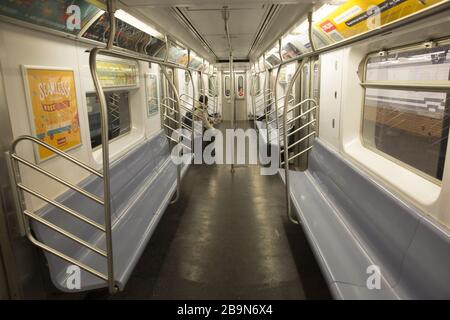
column 243, row 24
column 206, row 3
column 205, row 16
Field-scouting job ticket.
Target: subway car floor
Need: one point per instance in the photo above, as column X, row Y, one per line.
column 226, row 238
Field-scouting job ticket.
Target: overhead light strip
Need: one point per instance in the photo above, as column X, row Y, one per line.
column 135, row 22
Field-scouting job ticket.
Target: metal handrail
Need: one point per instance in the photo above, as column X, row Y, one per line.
column 26, row 214
column 286, row 141
column 302, row 127
column 189, row 128
column 285, row 137
column 280, row 99
column 304, row 113
column 264, row 96
column 301, row 140
column 295, row 107
column 212, row 98
column 173, row 100
column 179, row 123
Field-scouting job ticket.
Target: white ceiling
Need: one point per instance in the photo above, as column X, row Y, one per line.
column 243, row 25
column 246, row 17
column 170, row 3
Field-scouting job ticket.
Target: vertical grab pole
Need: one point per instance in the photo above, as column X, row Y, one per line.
column 276, row 111
column 174, row 89
column 253, row 100
column 105, row 145
column 193, row 89
column 266, row 83
column 285, row 142
column 193, row 109
column 233, row 106
column 226, row 16
column 311, row 40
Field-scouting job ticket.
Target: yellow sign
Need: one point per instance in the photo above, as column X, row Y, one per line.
column 358, row 16
column 54, row 109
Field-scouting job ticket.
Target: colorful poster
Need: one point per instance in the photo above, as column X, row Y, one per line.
column 117, row 73
column 53, row 104
column 51, row 14
column 358, row 16
column 151, row 89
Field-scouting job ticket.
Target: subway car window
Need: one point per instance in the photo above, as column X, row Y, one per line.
column 212, row 85
column 118, row 115
column 316, row 81
column 410, row 126
column 240, row 90
column 227, row 86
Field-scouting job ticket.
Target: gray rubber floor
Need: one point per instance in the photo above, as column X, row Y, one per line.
column 227, row 238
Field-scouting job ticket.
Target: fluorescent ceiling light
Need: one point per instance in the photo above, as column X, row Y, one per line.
column 131, row 20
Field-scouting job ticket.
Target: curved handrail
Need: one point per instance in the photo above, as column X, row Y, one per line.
column 177, row 98
column 285, row 138
column 105, row 143
column 286, row 155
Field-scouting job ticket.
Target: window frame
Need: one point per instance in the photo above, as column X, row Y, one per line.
column 212, row 79
column 120, row 136
column 240, row 75
column 401, row 85
column 225, row 77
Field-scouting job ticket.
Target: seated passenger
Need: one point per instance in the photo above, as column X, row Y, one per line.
column 201, row 113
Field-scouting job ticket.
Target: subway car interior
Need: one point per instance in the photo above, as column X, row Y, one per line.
column 224, row 149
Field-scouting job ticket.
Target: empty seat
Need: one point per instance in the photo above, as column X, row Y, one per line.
column 143, row 182
column 352, row 222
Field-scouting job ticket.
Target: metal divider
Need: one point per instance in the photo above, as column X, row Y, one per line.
column 170, row 111
column 309, row 118
column 177, row 120
column 260, row 102
column 26, row 214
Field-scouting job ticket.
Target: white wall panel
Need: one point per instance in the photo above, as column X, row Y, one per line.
column 330, row 97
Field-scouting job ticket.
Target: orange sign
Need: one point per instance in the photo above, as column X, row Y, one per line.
column 54, row 111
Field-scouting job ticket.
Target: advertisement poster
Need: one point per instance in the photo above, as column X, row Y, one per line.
column 51, row 14
column 151, row 88
column 358, row 16
column 53, row 108
column 117, row 73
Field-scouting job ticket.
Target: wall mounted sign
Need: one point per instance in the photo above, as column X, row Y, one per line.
column 55, row 14
column 114, row 73
column 53, row 108
column 152, row 94
column 358, row 16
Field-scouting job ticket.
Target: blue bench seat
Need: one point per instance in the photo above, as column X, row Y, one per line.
column 352, row 222
column 142, row 184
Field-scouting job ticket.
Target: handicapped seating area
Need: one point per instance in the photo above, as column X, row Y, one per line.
column 353, row 223
column 143, row 182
